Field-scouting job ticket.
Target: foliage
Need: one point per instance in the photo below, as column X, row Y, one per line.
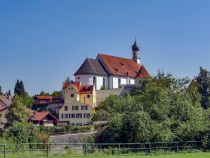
column 19, row 88
column 163, row 109
column 18, row 111
column 65, row 129
column 23, row 132
column 56, row 93
column 44, row 93
column 203, row 81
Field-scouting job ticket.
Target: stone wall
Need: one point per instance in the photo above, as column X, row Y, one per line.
column 101, row 95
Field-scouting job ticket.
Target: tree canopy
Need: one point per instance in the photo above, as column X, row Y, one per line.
column 203, row 81
column 163, row 109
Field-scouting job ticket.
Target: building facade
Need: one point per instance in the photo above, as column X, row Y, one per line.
column 79, row 103
column 110, row 72
column 5, row 102
column 48, row 103
column 43, row 119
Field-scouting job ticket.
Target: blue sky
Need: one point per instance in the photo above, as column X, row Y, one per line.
column 43, row 42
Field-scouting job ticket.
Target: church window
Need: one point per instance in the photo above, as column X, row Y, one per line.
column 119, row 82
column 94, row 80
column 103, row 82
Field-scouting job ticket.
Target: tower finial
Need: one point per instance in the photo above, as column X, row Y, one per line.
column 136, row 52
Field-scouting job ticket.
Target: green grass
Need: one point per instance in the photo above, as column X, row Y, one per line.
column 171, row 155
column 70, row 155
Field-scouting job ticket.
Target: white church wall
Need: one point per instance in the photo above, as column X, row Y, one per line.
column 88, row 80
column 115, row 82
column 84, row 79
column 123, row 81
column 132, row 81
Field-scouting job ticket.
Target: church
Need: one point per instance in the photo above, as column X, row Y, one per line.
column 110, row 72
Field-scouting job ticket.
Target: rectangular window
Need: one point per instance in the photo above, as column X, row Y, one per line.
column 72, row 95
column 84, row 107
column 0, row 115
column 61, row 115
column 78, row 124
column 119, row 82
column 72, row 115
column 78, row 115
column 66, row 108
column 103, row 82
column 88, row 96
column 86, row 115
column 69, row 115
column 75, row 108
column 66, row 115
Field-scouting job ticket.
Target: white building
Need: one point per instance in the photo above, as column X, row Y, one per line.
column 109, row 72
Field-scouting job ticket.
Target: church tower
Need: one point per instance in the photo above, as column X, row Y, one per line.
column 136, row 53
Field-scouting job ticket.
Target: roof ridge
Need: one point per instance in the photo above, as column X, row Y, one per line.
column 116, row 56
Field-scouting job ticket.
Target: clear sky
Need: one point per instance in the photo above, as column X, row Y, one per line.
column 44, row 41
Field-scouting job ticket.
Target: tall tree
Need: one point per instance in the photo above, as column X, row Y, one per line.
column 203, row 81
column 19, row 88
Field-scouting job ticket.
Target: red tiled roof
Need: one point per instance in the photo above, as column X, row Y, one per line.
column 44, row 97
column 38, row 116
column 81, row 89
column 143, row 73
column 120, row 66
column 65, row 84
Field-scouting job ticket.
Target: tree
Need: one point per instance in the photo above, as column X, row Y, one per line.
column 19, row 88
column 203, row 81
column 25, row 133
column 18, row 111
column 56, row 93
column 163, row 109
column 42, row 93
column 1, row 93
column 8, row 93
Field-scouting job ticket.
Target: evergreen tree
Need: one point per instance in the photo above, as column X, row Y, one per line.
column 9, row 93
column 1, row 93
column 203, row 81
column 19, row 88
